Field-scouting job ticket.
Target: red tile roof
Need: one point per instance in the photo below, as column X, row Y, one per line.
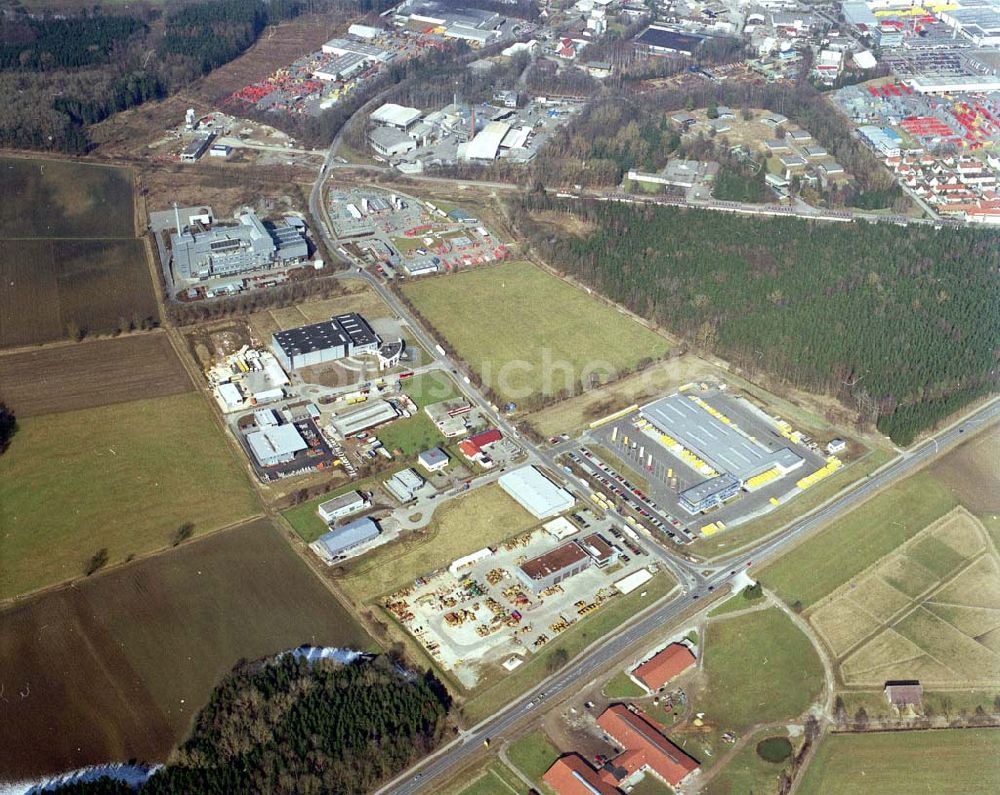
column 644, row 745
column 469, row 448
column 486, row 437
column 571, row 775
column 660, row 669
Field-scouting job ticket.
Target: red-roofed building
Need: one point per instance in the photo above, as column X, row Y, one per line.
column 645, row 746
column 664, row 666
column 486, row 437
column 571, row 775
column 472, row 448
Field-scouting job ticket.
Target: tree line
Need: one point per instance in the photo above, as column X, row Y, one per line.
column 292, row 726
column 902, row 323
column 57, row 43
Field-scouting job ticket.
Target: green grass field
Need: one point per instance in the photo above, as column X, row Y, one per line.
column 496, row 779
column 828, row 560
column 526, row 332
column 411, row 435
column 428, row 388
column 760, row 668
column 904, row 763
column 533, row 754
column 733, row 604
column 491, row 695
column 483, row 516
column 622, row 686
column 122, row 477
column 746, row 772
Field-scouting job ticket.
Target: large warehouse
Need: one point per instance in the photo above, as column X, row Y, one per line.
column 536, row 493
column 275, row 444
column 231, row 250
column 552, row 567
column 335, row 543
column 728, row 457
column 337, row 338
column 658, row 39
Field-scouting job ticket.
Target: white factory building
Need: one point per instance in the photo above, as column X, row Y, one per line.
column 536, row 493
column 275, row 444
column 344, row 505
column 337, row 338
column 343, row 539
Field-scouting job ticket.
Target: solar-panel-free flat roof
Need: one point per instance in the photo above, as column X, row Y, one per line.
column 669, row 40
column 341, row 330
column 722, row 446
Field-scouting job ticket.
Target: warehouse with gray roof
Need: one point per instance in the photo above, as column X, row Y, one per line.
column 334, row 544
column 341, row 336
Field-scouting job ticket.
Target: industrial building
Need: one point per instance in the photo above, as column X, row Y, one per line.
column 196, row 148
column 715, row 447
column 201, row 252
column 536, row 493
column 663, row 40
column 390, row 142
column 474, row 25
column 663, row 666
column 404, row 485
column 552, row 567
column 397, row 116
column 433, row 460
column 275, row 444
column 341, row 336
column 369, row 415
column 344, row 505
column 646, row 750
column 331, row 545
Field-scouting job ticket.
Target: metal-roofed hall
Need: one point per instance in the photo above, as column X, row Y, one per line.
column 713, row 445
column 337, row 338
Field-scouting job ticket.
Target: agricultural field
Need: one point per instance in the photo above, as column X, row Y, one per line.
column 928, row 611
column 484, row 516
column 63, row 289
column 138, row 651
column 121, row 477
column 548, row 337
column 901, row 763
column 89, row 374
column 59, row 199
column 827, row 560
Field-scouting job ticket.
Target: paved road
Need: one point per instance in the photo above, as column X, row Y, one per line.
column 580, row 669
column 695, row 581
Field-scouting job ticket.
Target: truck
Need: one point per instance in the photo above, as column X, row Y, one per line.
column 440, row 350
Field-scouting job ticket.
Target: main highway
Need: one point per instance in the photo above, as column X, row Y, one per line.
column 695, row 580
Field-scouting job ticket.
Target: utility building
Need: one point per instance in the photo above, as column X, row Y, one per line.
column 335, row 543
column 536, row 493
column 337, row 338
column 552, row 567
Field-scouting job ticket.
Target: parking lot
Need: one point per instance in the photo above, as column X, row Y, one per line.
column 403, row 236
column 484, row 613
column 639, row 445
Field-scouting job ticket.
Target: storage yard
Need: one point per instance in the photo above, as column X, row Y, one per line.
column 504, row 603
column 710, row 460
column 406, row 237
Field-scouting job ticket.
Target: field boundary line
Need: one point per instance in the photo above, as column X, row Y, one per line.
column 89, row 339
column 13, row 601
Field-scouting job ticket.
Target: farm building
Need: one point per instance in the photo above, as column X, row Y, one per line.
column 337, row 542
column 275, row 444
column 433, row 460
column 536, row 493
column 341, row 336
column 646, row 749
column 903, row 694
column 200, row 254
column 572, row 775
column 404, row 484
column 664, row 666
column 552, row 567
column 342, row 506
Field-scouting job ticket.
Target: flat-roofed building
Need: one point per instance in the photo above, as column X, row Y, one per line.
column 341, row 336
column 536, row 493
column 665, row 665
column 392, row 115
column 404, row 485
column 344, row 505
column 390, row 142
column 275, row 444
column 433, row 460
column 659, row 39
column 552, row 567
column 332, row 545
column 600, row 549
